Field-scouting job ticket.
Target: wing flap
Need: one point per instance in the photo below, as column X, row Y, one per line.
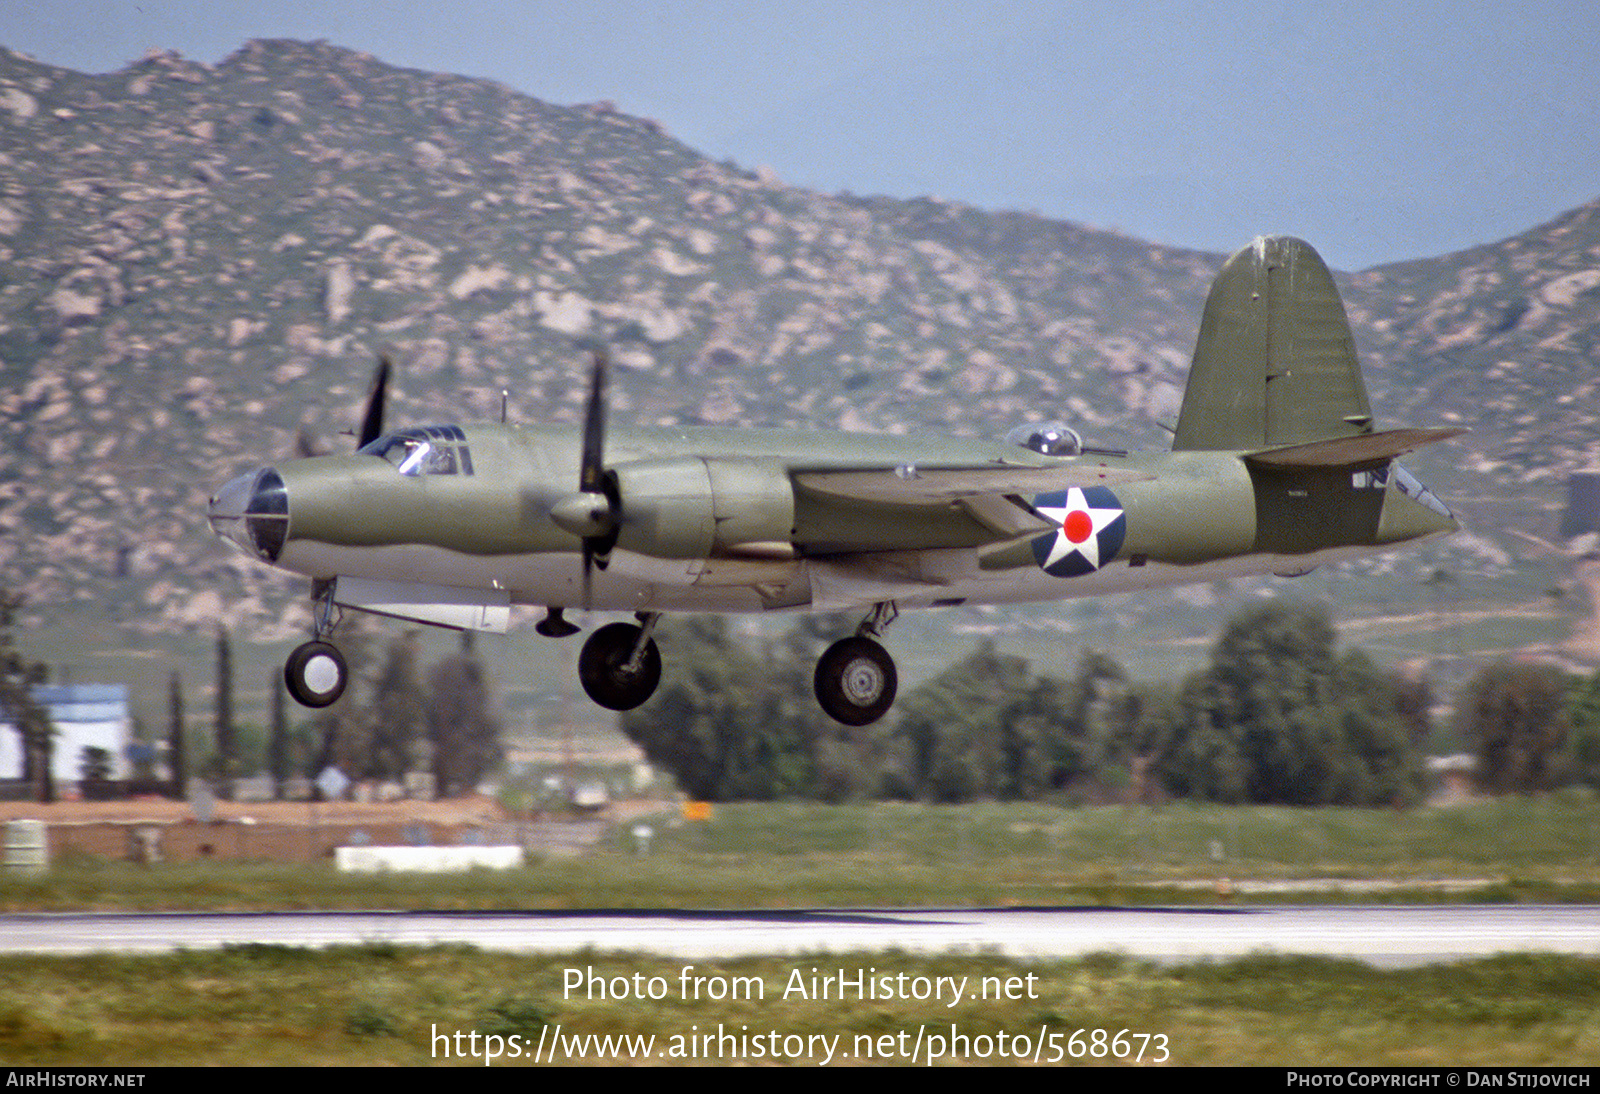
column 1006, row 515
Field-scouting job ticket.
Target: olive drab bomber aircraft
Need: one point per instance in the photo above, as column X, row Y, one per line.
column 1275, row 467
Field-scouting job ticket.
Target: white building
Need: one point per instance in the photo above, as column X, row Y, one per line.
column 84, row 716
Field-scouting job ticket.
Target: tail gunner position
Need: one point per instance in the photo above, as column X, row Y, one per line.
column 1275, row 467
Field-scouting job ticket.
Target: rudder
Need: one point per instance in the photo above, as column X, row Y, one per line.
column 1275, row 363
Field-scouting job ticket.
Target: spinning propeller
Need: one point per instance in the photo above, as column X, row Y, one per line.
column 372, row 418
column 594, row 512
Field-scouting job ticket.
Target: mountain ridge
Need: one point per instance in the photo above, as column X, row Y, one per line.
column 202, row 262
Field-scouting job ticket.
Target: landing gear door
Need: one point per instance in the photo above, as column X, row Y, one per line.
column 450, row 606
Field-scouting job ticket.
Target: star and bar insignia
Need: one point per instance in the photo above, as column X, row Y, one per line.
column 1089, row 530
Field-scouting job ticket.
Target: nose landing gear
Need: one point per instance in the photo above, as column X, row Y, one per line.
column 315, row 673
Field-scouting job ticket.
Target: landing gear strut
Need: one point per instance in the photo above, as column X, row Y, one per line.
column 856, row 679
column 315, row 673
column 620, row 665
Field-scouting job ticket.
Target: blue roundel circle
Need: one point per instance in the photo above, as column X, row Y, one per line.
column 1088, row 533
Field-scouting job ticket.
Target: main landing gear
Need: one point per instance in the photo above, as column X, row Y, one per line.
column 315, row 673
column 856, row 680
column 620, row 666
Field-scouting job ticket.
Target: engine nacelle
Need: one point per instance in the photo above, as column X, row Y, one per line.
column 691, row 507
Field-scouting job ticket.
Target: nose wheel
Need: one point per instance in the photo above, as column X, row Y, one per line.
column 316, row 674
column 856, row 681
column 620, row 665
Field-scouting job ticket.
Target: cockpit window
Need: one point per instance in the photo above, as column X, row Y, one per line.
column 1048, row 439
column 428, row 450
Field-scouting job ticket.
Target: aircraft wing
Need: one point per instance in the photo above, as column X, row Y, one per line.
column 994, row 493
column 910, row 484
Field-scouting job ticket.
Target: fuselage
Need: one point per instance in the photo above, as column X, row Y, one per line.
column 1276, row 467
column 733, row 520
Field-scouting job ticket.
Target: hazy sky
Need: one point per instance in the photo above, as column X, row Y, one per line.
column 1378, row 131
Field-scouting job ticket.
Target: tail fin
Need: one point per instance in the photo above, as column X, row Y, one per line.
column 1275, row 363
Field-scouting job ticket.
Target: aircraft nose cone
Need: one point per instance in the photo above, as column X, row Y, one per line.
column 226, row 511
column 253, row 512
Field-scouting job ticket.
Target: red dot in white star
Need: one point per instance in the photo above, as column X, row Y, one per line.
column 1077, row 527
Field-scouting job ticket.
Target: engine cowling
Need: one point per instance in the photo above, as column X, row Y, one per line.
column 691, row 507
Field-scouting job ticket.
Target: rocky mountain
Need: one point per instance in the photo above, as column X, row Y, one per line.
column 1504, row 338
column 201, row 264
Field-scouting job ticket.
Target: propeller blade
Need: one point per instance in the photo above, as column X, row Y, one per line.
column 372, row 420
column 588, row 575
column 592, row 480
column 591, row 472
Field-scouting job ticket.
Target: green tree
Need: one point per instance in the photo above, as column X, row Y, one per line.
column 1202, row 754
column 399, row 716
column 1102, row 718
column 987, row 727
column 344, row 729
column 727, row 725
column 845, row 762
column 278, row 737
column 956, row 745
column 463, row 728
column 227, row 758
column 1144, row 718
column 19, row 675
column 1515, row 715
column 177, row 746
column 1583, row 740
column 1278, row 717
column 94, row 765
column 1380, row 733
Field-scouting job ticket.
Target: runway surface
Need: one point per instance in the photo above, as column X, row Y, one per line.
column 1383, row 936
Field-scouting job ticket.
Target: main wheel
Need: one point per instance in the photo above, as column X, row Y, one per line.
column 856, row 681
column 604, row 672
column 315, row 674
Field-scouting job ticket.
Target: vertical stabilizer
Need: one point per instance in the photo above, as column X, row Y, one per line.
column 1275, row 363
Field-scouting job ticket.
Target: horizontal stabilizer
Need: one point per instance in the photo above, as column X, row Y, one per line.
column 1366, row 449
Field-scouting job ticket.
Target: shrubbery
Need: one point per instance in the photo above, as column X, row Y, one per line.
column 1278, row 716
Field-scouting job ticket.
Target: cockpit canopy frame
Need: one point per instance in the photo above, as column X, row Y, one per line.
column 1047, row 438
column 424, row 450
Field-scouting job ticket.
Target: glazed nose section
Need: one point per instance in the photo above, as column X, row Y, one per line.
column 253, row 511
